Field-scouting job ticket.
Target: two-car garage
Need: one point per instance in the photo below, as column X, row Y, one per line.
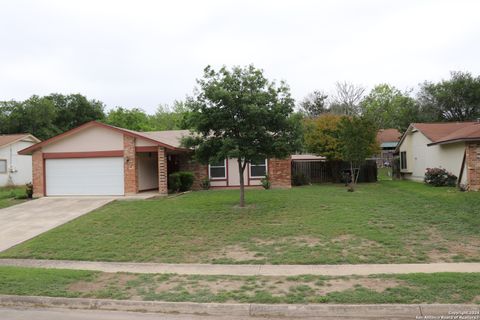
column 84, row 176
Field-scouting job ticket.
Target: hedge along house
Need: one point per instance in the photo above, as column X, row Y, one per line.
column 99, row 159
column 453, row 146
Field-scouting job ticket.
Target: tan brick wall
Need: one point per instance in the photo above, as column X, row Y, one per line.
column 162, row 171
column 129, row 165
column 199, row 170
column 280, row 172
column 38, row 174
column 473, row 165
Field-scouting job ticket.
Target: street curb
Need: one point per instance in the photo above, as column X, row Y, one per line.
column 380, row 311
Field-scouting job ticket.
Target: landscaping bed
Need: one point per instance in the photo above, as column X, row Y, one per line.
column 10, row 196
column 384, row 222
column 405, row 288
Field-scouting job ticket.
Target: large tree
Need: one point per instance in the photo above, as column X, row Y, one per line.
column 314, row 104
column 170, row 118
column 455, row 99
column 357, row 139
column 321, row 136
column 347, row 98
column 238, row 113
column 388, row 107
column 133, row 119
column 75, row 109
column 36, row 115
column 47, row 116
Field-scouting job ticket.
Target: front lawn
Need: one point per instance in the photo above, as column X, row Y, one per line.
column 403, row 288
column 385, row 222
column 8, row 196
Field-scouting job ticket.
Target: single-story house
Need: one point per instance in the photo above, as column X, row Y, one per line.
column 15, row 169
column 387, row 140
column 454, row 146
column 99, row 159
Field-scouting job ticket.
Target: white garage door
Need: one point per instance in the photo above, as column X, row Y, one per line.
column 84, row 176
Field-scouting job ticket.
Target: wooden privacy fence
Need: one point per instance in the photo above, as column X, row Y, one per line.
column 332, row 171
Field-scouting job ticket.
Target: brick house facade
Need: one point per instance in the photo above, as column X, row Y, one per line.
column 93, row 156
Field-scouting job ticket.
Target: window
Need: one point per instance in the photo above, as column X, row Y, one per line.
column 217, row 170
column 403, row 160
column 258, row 169
column 3, row 166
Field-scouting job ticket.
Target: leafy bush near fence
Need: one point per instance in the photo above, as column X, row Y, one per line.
column 300, row 179
column 439, row 177
column 180, row 181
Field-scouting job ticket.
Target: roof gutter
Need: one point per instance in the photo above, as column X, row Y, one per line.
column 453, row 141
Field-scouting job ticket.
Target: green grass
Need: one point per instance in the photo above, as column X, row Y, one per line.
column 406, row 288
column 8, row 195
column 384, row 174
column 385, row 222
column 41, row 282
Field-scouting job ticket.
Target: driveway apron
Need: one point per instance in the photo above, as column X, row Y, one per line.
column 27, row 220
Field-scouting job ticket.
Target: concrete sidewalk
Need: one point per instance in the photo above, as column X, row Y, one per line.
column 245, row 270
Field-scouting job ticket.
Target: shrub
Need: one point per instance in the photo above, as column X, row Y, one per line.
column 180, row 181
column 300, row 179
column 266, row 184
column 186, row 180
column 29, row 190
column 439, row 177
column 174, row 182
column 205, row 184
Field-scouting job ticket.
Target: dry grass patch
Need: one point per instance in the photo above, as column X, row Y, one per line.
column 234, row 253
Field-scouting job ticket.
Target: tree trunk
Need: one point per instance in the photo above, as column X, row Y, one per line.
column 352, row 177
column 241, row 169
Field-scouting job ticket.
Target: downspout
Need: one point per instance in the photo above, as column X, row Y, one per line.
column 460, row 176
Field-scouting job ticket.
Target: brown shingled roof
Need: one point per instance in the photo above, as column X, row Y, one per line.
column 9, row 138
column 436, row 132
column 468, row 132
column 388, row 135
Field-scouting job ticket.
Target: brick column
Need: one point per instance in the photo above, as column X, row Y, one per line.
column 162, row 171
column 129, row 165
column 280, row 172
column 473, row 165
column 38, row 177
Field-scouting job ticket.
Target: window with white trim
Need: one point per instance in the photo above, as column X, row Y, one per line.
column 258, row 169
column 3, row 166
column 217, row 170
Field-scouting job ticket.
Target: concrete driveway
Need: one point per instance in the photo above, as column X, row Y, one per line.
column 27, row 220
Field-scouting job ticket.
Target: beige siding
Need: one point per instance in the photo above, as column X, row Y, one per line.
column 21, row 165
column 233, row 175
column 420, row 156
column 139, row 142
column 88, row 140
column 147, row 167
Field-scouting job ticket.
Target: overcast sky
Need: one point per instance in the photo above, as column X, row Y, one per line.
column 144, row 53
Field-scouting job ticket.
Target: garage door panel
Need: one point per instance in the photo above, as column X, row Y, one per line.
column 84, row 176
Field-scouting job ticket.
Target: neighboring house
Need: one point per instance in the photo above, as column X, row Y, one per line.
column 387, row 140
column 454, row 146
column 98, row 159
column 15, row 169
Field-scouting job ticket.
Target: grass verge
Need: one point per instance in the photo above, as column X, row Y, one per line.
column 407, row 288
